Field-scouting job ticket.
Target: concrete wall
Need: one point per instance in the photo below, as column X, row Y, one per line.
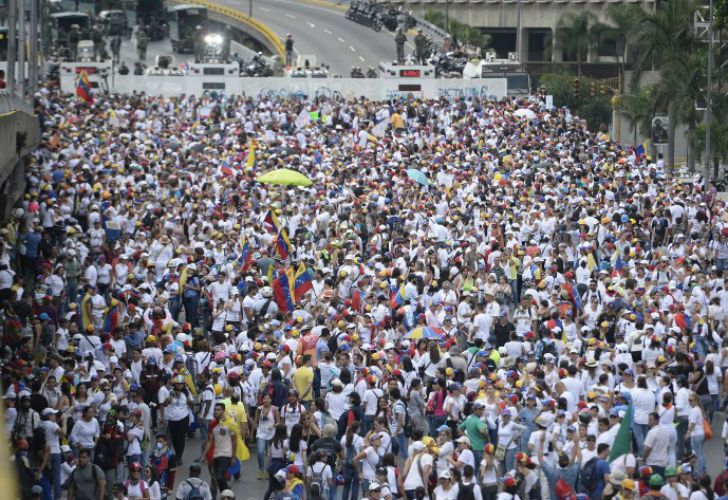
column 377, row 88
column 528, row 14
column 15, row 118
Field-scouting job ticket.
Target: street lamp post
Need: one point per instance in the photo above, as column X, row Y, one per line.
column 709, row 96
column 33, row 59
column 21, row 49
column 12, row 43
column 250, row 8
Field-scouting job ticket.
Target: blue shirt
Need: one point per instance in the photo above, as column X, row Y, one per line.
column 553, row 474
column 602, row 467
column 32, row 242
column 190, row 293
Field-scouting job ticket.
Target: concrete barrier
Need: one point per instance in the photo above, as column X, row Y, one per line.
column 346, row 88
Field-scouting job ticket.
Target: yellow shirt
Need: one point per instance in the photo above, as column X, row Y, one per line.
column 301, row 380
column 235, row 412
column 397, row 121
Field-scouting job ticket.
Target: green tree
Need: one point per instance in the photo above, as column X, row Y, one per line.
column 575, row 36
column 661, row 36
column 664, row 39
column 640, row 108
column 461, row 31
column 720, row 14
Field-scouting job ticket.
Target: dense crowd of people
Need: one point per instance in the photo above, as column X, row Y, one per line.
column 468, row 302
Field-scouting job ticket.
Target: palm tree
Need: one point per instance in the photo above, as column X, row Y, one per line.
column 664, row 39
column 662, row 36
column 574, row 35
column 621, row 28
column 640, row 108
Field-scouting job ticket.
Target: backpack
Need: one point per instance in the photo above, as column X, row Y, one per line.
column 343, row 422
column 333, row 343
column 588, row 477
column 407, row 424
column 195, row 493
column 465, row 492
column 548, row 348
column 94, row 474
column 349, row 455
column 327, row 419
column 317, row 480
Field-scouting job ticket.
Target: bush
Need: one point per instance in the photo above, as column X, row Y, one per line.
column 594, row 108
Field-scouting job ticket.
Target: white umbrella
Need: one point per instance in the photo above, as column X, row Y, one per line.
column 525, row 113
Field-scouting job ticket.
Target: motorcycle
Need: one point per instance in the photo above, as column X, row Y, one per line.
column 256, row 67
column 449, row 64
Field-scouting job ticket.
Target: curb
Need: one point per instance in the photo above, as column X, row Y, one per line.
column 328, row 4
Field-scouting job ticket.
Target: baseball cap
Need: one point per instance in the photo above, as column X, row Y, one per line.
column 49, row 411
column 227, row 494
column 443, row 428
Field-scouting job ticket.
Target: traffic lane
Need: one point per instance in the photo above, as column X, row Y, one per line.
column 246, row 488
column 314, row 39
column 379, row 43
column 332, row 38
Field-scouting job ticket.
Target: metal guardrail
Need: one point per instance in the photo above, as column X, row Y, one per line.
column 245, row 19
column 430, row 28
column 11, row 102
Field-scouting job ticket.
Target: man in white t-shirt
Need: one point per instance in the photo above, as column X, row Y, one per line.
column 656, row 445
column 53, row 433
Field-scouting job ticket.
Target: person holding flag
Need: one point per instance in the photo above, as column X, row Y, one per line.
column 83, row 88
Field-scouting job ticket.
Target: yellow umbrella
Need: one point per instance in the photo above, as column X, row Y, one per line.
column 285, row 177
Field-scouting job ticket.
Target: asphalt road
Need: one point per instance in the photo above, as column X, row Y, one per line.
column 246, row 488
column 250, row 488
column 324, row 32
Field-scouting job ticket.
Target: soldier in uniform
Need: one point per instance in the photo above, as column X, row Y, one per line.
column 399, row 39
column 97, row 36
column 142, row 40
column 116, row 48
column 289, row 49
column 73, row 38
column 420, row 47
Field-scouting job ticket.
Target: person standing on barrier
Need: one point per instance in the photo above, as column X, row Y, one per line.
column 420, row 47
column 142, row 39
column 399, row 39
column 289, row 49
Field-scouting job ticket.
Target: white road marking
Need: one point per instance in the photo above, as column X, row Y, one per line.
column 352, row 48
column 310, row 6
column 264, row 9
column 362, row 59
column 310, row 24
column 291, row 16
column 328, row 32
column 342, row 40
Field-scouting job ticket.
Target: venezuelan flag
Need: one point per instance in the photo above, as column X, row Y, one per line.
column 283, row 291
column 246, row 257
column 396, row 297
column 641, row 150
column 272, row 220
column 303, row 282
column 283, row 244
column 83, row 87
